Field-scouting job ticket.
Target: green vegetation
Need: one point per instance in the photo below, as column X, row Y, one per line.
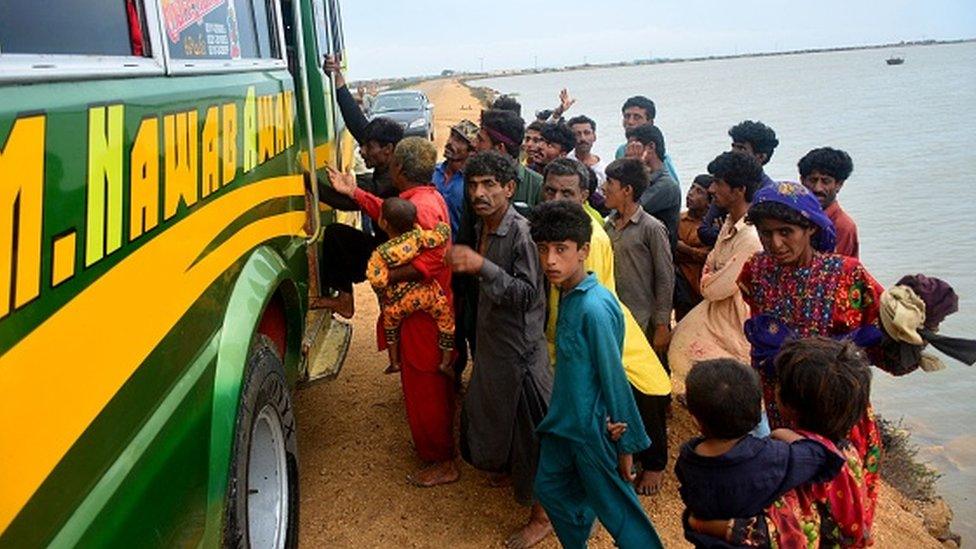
column 900, row 465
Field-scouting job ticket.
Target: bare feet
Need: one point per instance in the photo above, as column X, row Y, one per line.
column 536, row 530
column 342, row 304
column 392, row 369
column 444, row 472
column 649, row 482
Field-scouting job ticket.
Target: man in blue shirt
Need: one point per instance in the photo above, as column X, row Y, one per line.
column 449, row 174
column 637, row 111
column 592, row 428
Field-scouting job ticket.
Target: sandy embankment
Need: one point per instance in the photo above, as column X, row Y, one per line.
column 356, row 450
column 453, row 102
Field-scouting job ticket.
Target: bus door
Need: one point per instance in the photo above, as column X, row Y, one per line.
column 314, row 31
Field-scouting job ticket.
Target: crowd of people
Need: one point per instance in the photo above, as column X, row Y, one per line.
column 584, row 298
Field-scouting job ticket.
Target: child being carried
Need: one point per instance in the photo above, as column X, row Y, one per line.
column 401, row 299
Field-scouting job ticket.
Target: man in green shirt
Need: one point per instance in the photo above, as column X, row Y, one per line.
column 502, row 131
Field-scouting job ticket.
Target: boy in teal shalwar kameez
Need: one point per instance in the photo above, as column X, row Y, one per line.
column 585, row 471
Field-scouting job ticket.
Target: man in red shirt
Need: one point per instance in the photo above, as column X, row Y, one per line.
column 823, row 171
column 428, row 394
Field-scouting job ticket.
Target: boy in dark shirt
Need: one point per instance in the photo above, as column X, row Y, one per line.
column 583, row 471
column 728, row 473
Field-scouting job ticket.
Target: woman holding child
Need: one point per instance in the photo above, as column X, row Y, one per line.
column 814, row 322
column 797, row 288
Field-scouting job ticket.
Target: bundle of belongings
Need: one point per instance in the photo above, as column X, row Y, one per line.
column 911, row 312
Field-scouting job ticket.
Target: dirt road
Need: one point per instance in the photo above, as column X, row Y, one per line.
column 355, row 453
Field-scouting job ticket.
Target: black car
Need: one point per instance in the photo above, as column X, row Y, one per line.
column 410, row 108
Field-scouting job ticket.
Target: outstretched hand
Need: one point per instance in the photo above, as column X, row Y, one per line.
column 565, row 100
column 463, row 259
column 332, row 66
column 344, row 183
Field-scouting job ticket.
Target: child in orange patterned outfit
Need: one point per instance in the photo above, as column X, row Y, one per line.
column 401, row 299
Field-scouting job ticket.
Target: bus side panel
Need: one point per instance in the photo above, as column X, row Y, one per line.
column 263, row 275
column 138, row 467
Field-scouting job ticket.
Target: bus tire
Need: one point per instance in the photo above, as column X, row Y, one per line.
column 262, row 494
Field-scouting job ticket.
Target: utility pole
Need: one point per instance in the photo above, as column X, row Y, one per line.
column 482, row 60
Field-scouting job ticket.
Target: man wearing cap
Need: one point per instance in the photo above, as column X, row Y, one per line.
column 449, row 174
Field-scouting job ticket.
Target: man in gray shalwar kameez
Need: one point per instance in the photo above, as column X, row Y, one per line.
column 510, row 386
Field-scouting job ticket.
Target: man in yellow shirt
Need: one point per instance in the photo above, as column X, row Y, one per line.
column 567, row 179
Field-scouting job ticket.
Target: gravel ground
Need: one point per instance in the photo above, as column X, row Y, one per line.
column 355, row 452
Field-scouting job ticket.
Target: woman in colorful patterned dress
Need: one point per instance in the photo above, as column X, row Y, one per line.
column 797, row 288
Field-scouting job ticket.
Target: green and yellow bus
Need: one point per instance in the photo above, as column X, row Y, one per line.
column 158, row 247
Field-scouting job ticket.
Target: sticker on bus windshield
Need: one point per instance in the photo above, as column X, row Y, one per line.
column 210, row 29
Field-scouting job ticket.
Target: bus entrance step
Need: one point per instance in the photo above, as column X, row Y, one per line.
column 325, row 345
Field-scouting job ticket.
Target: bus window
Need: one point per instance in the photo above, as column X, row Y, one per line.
column 221, row 30
column 338, row 45
column 321, row 26
column 257, row 38
column 73, row 27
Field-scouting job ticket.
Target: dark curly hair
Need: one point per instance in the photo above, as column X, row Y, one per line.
column 833, row 162
column 568, row 166
column 582, row 119
column 826, row 384
column 725, row 397
column 492, row 163
column 761, row 137
column 630, row 172
column 781, row 212
column 507, row 103
column 739, row 170
column 641, row 102
column 703, row 180
column 399, row 213
column 647, row 134
column 560, row 220
column 382, row 130
column 507, row 123
column 559, row 134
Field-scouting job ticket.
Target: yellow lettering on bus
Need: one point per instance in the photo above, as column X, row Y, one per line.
column 63, row 258
column 289, row 117
column 144, row 179
column 266, row 137
column 180, row 153
column 250, row 131
column 104, row 217
column 228, row 138
column 211, row 153
column 279, row 123
column 21, row 198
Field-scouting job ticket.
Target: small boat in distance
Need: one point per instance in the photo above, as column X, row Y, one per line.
column 895, row 60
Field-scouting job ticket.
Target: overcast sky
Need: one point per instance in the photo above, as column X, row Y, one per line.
column 417, row 37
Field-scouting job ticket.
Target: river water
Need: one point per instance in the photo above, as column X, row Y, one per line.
column 910, row 130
